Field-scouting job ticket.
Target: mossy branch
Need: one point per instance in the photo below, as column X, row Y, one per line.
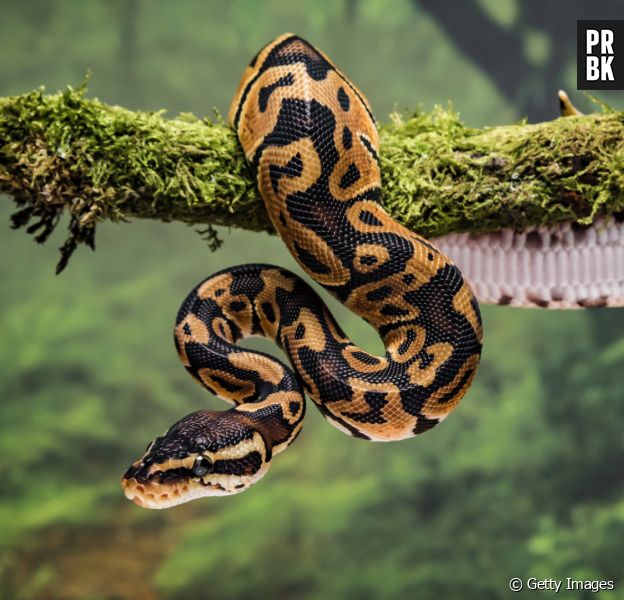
column 99, row 162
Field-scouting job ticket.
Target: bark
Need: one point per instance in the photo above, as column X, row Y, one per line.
column 65, row 152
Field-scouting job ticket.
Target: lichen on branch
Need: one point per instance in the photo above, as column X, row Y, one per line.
column 66, row 152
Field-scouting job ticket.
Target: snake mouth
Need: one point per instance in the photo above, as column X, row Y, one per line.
column 158, row 496
column 167, row 489
column 160, row 489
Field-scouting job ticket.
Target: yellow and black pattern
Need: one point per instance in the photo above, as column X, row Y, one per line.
column 311, row 140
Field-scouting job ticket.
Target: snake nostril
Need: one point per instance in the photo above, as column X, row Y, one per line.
column 134, row 470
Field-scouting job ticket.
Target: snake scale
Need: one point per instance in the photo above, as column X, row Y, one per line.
column 311, row 141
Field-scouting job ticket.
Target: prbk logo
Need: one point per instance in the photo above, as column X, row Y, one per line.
column 600, row 55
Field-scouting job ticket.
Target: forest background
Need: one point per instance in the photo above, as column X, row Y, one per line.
column 525, row 479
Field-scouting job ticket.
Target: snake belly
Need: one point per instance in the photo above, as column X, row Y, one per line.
column 311, row 141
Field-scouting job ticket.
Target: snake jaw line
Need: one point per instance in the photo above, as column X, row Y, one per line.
column 234, row 456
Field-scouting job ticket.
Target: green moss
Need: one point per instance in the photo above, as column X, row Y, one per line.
column 440, row 176
column 66, row 152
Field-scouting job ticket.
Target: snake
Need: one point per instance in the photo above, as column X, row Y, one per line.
column 311, row 143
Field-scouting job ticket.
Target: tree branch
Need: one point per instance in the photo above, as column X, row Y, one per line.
column 97, row 162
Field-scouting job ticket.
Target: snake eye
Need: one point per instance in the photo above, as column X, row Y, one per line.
column 202, row 465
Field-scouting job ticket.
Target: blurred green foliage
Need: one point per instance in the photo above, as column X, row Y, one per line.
column 525, row 479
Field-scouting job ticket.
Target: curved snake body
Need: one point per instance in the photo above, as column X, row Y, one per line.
column 311, row 141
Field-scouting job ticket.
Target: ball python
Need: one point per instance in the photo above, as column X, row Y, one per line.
column 311, row 142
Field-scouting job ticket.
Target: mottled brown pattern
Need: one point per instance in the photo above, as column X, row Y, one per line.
column 291, row 159
column 312, row 143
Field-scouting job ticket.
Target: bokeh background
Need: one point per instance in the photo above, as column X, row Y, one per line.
column 525, row 479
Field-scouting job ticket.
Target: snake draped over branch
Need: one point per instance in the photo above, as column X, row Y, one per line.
column 311, row 142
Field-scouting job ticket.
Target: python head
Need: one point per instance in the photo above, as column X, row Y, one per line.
column 207, row 453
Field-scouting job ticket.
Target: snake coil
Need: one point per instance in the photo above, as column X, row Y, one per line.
column 311, row 141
